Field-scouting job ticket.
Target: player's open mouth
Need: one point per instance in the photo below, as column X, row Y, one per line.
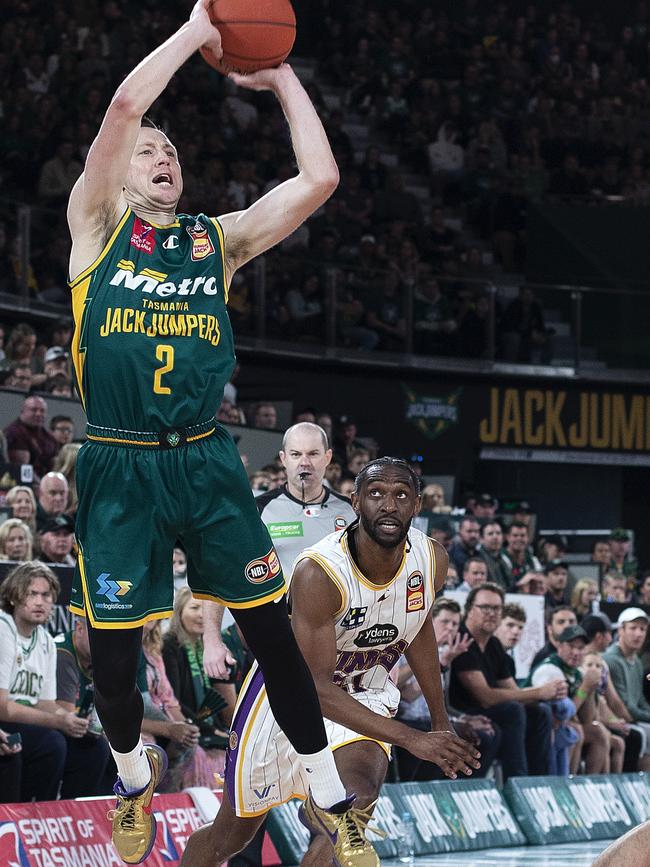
column 164, row 178
column 389, row 526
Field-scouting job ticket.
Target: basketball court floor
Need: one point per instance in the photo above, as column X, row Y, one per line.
column 568, row 855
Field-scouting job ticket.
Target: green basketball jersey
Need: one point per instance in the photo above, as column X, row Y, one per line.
column 153, row 346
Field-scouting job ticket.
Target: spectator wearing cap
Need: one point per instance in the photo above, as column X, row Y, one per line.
column 467, row 543
column 475, row 572
column 622, row 561
column 56, row 361
column 557, row 620
column 611, row 710
column 517, row 554
column 27, row 440
column 62, row 429
column 481, row 682
column 523, row 513
column 491, row 551
column 582, row 690
column 626, row 671
column 485, row 506
column 55, row 540
column 643, row 596
column 557, row 577
column 53, row 495
column 614, row 587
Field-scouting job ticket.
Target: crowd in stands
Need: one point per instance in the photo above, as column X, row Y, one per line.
column 582, row 705
column 490, row 107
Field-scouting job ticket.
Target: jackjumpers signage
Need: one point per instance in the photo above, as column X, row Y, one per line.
column 562, row 419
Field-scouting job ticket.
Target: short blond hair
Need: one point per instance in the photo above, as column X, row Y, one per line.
column 182, row 598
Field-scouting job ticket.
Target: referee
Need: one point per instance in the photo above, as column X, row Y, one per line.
column 300, row 513
column 304, row 510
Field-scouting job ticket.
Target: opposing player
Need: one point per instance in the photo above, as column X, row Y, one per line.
column 152, row 351
column 360, row 599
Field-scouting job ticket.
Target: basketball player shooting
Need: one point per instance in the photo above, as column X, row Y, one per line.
column 153, row 349
column 360, row 599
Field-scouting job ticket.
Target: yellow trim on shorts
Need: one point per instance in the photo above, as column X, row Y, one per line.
column 150, row 443
column 115, row 624
column 385, row 747
column 359, row 574
column 222, row 245
column 80, row 612
column 244, row 814
column 250, row 722
column 107, row 247
column 329, row 571
column 253, row 603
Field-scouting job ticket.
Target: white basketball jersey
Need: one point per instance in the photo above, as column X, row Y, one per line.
column 27, row 665
column 376, row 622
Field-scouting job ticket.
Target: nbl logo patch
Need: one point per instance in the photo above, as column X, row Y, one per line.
column 263, row 568
column 354, row 618
column 415, row 592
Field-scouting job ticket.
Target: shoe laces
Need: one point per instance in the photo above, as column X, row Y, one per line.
column 356, row 824
column 125, row 813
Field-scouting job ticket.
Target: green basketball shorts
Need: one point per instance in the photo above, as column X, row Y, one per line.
column 136, row 499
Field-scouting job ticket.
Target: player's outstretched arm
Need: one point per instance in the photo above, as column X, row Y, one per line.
column 279, row 213
column 315, row 601
column 98, row 191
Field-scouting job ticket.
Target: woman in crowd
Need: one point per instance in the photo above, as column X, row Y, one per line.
column 16, row 541
column 164, row 722
column 66, row 462
column 182, row 654
column 23, row 505
column 584, row 593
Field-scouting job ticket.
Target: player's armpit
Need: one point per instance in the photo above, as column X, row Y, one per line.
column 442, row 564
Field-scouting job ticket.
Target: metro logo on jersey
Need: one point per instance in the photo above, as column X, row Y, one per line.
column 201, row 244
column 143, row 237
column 415, row 592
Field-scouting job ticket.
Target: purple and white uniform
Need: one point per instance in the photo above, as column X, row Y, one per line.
column 374, row 626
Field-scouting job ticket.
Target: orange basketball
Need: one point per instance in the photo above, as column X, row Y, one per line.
column 255, row 34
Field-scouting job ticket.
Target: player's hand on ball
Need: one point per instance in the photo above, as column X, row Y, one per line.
column 199, row 18
column 263, row 79
column 452, row 754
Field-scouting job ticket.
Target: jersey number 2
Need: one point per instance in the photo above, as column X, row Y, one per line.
column 165, row 354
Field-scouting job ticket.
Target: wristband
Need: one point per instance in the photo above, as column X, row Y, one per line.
column 580, row 693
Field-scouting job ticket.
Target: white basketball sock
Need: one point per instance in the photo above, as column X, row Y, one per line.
column 133, row 768
column 324, row 781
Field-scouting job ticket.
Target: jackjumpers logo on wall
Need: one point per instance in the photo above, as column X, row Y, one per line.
column 432, row 416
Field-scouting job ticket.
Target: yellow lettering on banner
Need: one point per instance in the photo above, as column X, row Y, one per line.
column 579, row 431
column 554, row 406
column 627, row 428
column 488, row 429
column 533, row 403
column 600, row 420
column 511, row 417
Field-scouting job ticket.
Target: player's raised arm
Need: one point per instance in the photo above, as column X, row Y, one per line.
column 97, row 195
column 279, row 213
